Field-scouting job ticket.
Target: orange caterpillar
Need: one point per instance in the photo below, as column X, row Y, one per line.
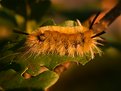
column 63, row 40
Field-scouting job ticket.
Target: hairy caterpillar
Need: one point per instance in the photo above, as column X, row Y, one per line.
column 70, row 40
column 61, row 40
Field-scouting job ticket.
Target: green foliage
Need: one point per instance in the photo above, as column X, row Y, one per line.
column 13, row 80
column 34, row 63
column 47, row 22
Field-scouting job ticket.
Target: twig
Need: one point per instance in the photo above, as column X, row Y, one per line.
column 112, row 14
column 107, row 20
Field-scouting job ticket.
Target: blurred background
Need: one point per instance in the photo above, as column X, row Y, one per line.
column 101, row 74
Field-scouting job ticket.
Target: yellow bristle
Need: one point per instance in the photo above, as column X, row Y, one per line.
column 79, row 50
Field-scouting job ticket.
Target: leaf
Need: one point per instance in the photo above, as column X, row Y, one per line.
column 11, row 80
column 47, row 23
column 34, row 63
column 69, row 23
column 9, row 50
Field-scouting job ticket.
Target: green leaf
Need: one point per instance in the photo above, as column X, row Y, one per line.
column 11, row 80
column 47, row 23
column 34, row 63
column 69, row 23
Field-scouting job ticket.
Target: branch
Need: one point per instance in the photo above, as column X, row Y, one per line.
column 112, row 14
column 107, row 20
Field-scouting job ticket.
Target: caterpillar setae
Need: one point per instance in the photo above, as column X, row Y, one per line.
column 64, row 40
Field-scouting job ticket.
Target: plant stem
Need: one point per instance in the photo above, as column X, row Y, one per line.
column 112, row 14
column 108, row 19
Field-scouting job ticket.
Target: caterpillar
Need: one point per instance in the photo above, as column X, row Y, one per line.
column 71, row 40
column 64, row 40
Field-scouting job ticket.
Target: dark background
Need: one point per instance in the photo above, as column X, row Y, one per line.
column 101, row 74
